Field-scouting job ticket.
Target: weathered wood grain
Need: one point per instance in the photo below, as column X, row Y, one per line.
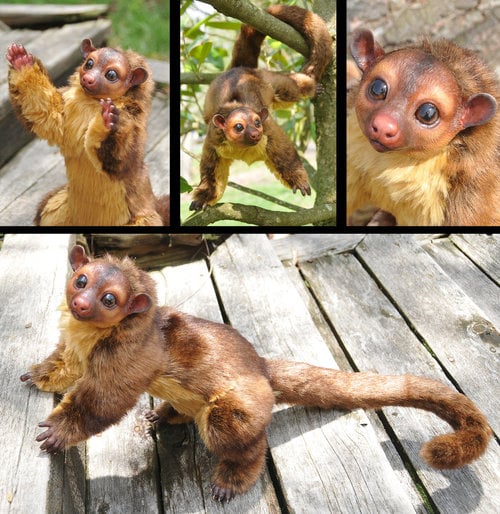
column 306, row 292
column 31, row 174
column 441, row 313
column 161, row 71
column 376, row 337
column 158, row 145
column 32, row 277
column 122, row 466
column 299, row 247
column 480, row 288
column 326, row 461
column 36, row 15
column 483, row 249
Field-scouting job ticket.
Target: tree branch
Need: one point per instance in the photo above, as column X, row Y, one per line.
column 262, row 21
column 190, row 77
column 324, row 214
column 325, row 113
column 323, row 180
column 264, row 196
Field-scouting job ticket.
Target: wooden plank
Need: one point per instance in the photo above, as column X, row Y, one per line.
column 161, row 71
column 376, row 337
column 461, row 269
column 441, row 312
column 158, row 145
column 326, row 461
column 298, row 247
column 408, row 486
column 483, row 249
column 49, row 14
column 72, row 485
column 13, row 135
column 26, row 179
column 122, row 466
column 151, row 251
column 186, row 466
column 158, row 162
column 32, row 277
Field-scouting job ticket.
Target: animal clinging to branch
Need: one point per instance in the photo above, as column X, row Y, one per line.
column 238, row 108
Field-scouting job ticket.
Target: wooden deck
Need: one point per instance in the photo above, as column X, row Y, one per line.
column 393, row 304
column 29, row 168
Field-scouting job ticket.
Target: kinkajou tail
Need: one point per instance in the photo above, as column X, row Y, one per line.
column 303, row 384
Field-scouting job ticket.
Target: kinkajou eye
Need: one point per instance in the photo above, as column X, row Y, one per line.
column 427, row 114
column 378, row 89
column 111, row 75
column 109, row 300
column 81, row 282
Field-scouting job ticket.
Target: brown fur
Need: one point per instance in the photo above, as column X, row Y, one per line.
column 208, row 373
column 245, row 87
column 102, row 141
column 445, row 174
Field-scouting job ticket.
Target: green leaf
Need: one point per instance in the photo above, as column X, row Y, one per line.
column 201, row 52
column 185, row 187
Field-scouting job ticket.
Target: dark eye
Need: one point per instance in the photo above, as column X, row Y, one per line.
column 257, row 123
column 111, row 75
column 378, row 89
column 81, row 282
column 108, row 300
column 89, row 64
column 239, row 127
column 427, row 114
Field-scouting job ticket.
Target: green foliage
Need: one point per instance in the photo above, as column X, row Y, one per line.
column 142, row 25
column 185, row 187
column 206, row 45
column 70, row 2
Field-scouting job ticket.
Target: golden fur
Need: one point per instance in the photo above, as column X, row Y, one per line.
column 208, row 373
column 443, row 170
column 395, row 182
column 72, row 120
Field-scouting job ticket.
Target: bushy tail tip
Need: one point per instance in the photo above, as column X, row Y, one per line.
column 451, row 451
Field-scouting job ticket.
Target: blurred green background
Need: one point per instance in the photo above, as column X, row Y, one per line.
column 142, row 25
